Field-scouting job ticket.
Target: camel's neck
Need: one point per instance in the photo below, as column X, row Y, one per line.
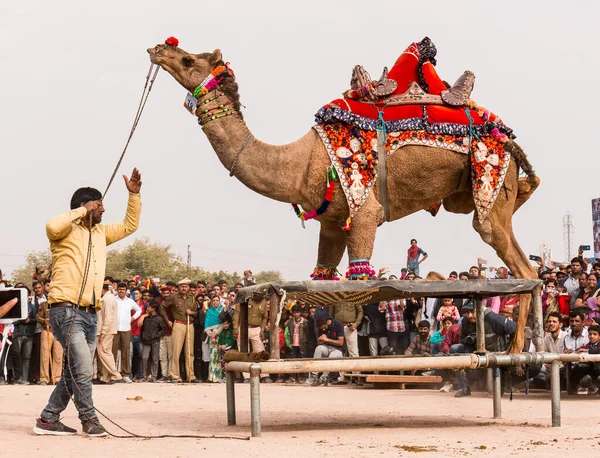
column 275, row 171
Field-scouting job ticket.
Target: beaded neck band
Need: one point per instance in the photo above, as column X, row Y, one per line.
column 213, row 80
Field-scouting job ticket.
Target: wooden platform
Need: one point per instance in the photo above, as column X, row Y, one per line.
column 394, row 380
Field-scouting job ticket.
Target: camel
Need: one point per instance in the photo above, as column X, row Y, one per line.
column 418, row 176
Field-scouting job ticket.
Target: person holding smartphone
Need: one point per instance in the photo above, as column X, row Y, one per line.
column 7, row 306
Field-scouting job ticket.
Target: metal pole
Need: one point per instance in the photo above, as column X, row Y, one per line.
column 538, row 320
column 497, row 393
column 255, row 399
column 489, row 382
column 555, row 386
column 274, row 339
column 480, row 325
column 230, row 386
column 243, row 327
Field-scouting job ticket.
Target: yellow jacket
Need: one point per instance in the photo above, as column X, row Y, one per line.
column 69, row 245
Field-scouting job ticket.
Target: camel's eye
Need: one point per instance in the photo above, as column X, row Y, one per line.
column 187, row 61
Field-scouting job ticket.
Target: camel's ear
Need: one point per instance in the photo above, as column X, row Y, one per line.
column 215, row 57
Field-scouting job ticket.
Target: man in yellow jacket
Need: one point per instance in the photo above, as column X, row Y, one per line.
column 73, row 304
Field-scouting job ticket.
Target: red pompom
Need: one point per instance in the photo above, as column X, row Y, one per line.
column 172, row 41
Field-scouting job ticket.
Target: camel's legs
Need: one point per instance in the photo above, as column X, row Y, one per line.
column 332, row 244
column 361, row 237
column 496, row 230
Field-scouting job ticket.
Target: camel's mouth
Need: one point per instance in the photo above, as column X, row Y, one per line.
column 152, row 52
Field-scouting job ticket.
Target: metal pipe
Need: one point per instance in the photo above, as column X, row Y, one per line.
column 351, row 364
column 555, row 387
column 497, row 393
column 274, row 339
column 243, row 327
column 480, row 325
column 396, row 363
column 230, row 387
column 538, row 319
column 489, row 380
column 255, row 399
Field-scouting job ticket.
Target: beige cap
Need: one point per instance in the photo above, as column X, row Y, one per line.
column 185, row 281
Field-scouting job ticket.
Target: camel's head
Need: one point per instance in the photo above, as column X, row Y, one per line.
column 188, row 69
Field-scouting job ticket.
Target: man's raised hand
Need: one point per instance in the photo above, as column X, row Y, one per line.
column 134, row 183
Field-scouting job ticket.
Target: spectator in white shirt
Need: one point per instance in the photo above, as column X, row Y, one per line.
column 122, row 338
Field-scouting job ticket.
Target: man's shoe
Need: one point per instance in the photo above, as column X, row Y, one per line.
column 266, row 380
column 127, row 380
column 195, row 380
column 239, row 380
column 462, row 393
column 592, row 390
column 93, row 428
column 337, row 382
column 446, row 388
column 20, row 382
column 112, row 382
column 279, row 380
column 175, row 380
column 42, row 383
column 428, row 373
column 586, row 381
column 316, row 382
column 52, row 429
column 163, row 380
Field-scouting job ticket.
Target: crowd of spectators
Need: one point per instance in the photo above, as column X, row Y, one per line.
column 180, row 332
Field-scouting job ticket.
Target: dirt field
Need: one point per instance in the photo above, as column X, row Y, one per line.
column 304, row 421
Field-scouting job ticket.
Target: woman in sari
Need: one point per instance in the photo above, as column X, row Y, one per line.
column 213, row 327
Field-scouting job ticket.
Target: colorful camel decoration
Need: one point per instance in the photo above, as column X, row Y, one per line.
column 439, row 148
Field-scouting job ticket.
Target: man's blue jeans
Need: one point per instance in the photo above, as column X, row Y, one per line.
column 136, row 347
column 461, row 376
column 80, row 352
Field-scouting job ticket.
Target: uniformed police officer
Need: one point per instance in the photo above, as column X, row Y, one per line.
column 183, row 308
column 257, row 322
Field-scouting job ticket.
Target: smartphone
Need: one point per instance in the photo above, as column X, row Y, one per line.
column 533, row 257
column 19, row 311
column 585, row 247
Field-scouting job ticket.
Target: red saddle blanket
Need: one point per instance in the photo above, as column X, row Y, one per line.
column 435, row 114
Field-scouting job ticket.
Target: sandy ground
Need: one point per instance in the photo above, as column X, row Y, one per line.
column 305, row 421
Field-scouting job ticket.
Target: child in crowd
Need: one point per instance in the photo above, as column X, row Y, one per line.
column 296, row 337
column 421, row 345
column 594, row 349
column 448, row 310
column 153, row 328
column 225, row 341
column 437, row 338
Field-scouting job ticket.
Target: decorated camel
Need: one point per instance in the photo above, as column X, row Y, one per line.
column 438, row 145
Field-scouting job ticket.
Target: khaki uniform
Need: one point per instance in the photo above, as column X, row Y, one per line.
column 183, row 332
column 51, row 352
column 257, row 322
column 107, row 328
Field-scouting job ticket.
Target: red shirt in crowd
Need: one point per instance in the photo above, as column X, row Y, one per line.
column 135, row 329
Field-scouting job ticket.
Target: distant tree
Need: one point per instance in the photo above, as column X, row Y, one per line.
column 24, row 274
column 267, row 276
column 146, row 259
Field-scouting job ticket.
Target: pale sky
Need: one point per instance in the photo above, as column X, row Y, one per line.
column 72, row 73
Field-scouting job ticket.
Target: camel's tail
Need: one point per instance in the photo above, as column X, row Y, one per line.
column 520, row 157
